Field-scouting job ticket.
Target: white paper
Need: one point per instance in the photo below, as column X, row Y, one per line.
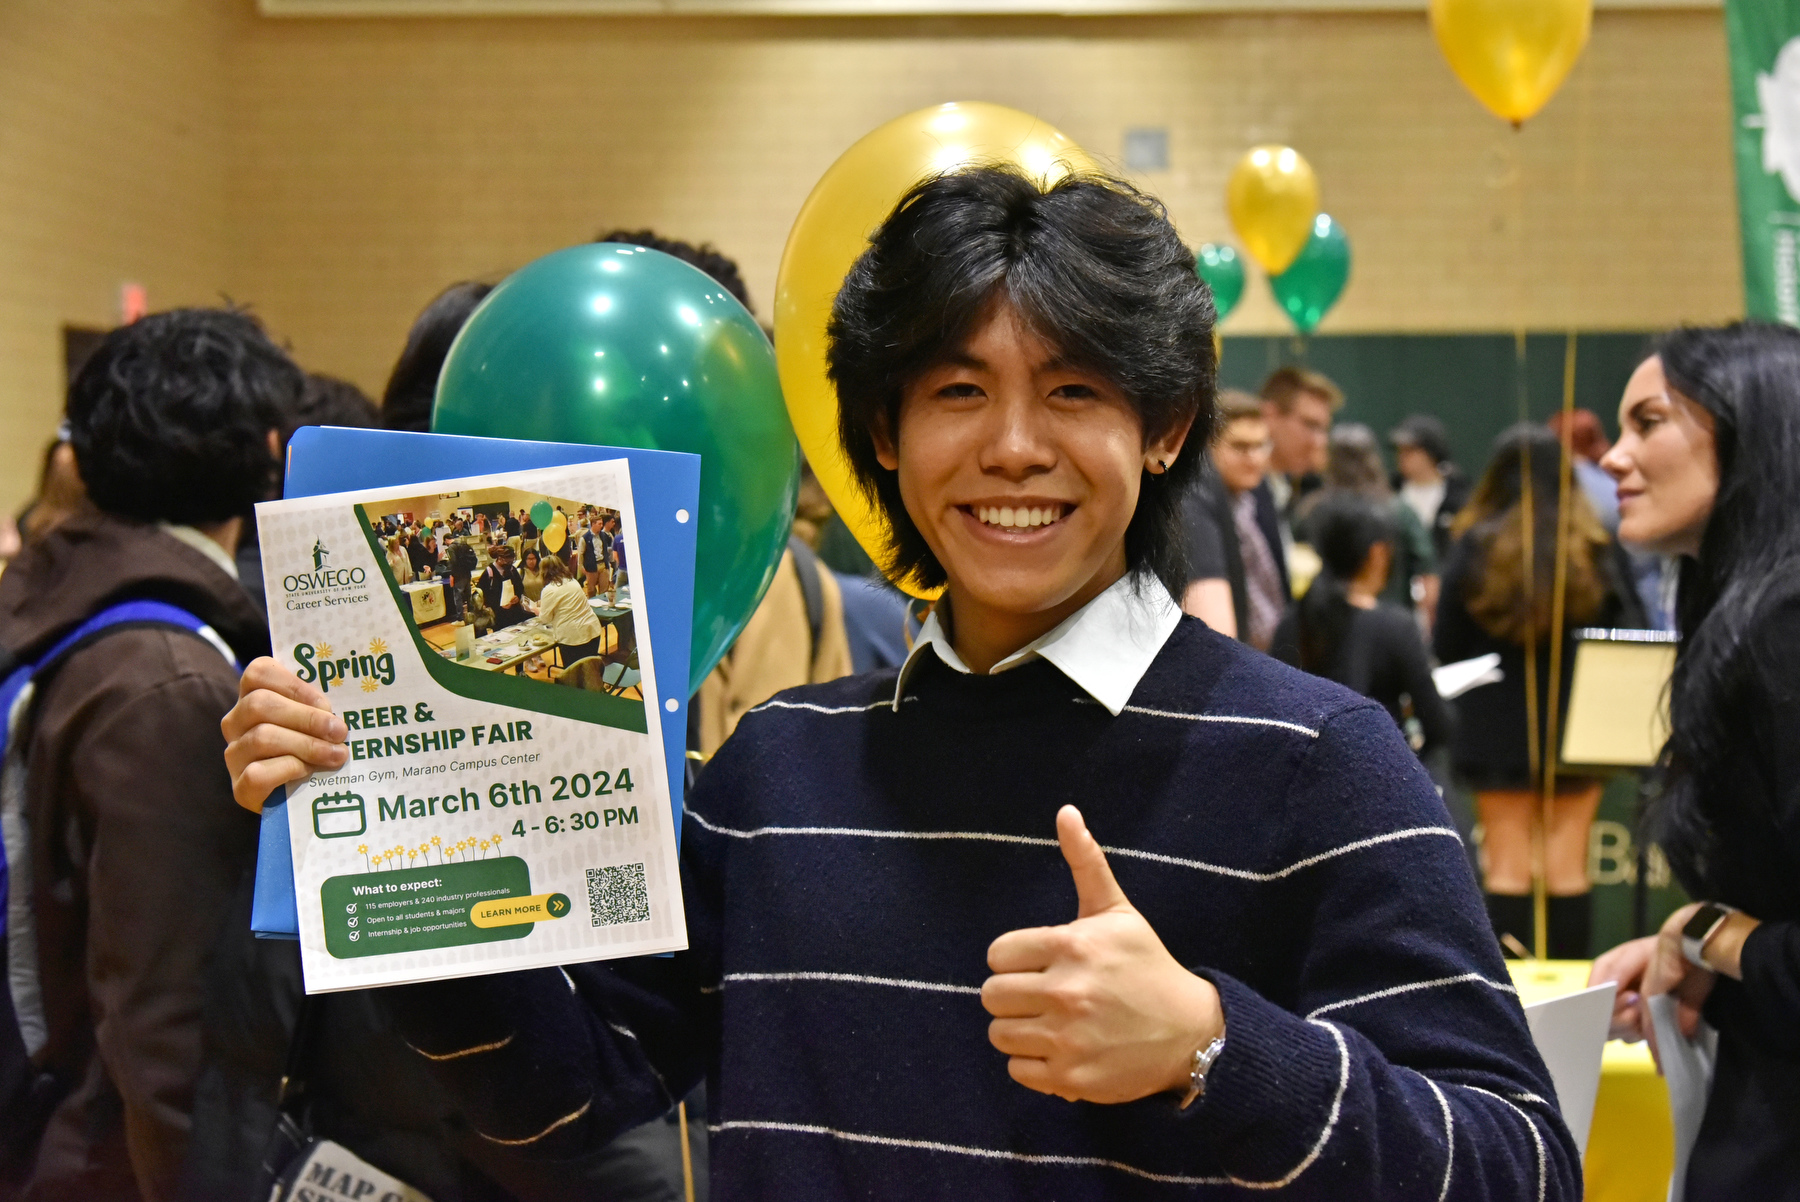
column 1453, row 680
column 1570, row 1033
column 1687, row 1066
column 486, row 821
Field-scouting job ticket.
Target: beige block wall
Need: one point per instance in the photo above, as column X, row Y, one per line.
column 112, row 169
column 364, row 164
column 378, row 160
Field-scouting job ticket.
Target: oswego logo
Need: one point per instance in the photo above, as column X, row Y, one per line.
column 322, row 577
column 325, row 585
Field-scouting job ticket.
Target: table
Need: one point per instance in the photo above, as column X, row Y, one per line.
column 608, row 614
column 427, row 598
column 511, row 647
column 518, row 643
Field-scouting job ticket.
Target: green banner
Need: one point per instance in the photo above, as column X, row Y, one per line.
column 1764, row 37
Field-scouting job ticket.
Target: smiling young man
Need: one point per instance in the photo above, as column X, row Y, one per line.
column 913, row 972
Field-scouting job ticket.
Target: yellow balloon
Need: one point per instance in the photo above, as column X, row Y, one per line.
column 1512, row 54
column 853, row 197
column 1272, row 197
column 556, row 533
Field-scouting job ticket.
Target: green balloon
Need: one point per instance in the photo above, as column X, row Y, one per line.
column 624, row 346
column 1316, row 278
column 541, row 514
column 1223, row 271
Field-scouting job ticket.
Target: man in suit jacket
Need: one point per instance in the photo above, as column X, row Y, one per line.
column 1238, row 582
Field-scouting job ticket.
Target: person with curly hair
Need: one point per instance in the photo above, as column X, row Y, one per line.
column 132, row 850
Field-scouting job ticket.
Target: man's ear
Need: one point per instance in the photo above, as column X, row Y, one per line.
column 1167, row 448
column 886, row 453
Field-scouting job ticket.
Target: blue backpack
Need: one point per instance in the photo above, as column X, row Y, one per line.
column 27, row 1095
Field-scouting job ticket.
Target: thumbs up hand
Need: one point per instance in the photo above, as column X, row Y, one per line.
column 1096, row 1010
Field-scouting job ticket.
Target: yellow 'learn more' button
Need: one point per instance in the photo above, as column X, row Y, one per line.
column 510, row 911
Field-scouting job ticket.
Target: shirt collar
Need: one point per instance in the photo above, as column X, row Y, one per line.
column 1105, row 647
column 203, row 543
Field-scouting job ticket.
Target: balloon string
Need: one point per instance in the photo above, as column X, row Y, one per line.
column 1565, row 527
column 1534, row 756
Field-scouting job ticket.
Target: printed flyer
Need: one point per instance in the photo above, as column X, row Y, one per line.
column 506, row 801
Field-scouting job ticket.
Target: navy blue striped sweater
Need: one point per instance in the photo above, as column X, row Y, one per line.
column 847, row 865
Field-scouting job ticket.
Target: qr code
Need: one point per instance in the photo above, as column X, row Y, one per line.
column 618, row 894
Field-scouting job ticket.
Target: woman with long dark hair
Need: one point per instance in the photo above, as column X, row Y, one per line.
column 1708, row 465
column 1495, row 600
column 1343, row 631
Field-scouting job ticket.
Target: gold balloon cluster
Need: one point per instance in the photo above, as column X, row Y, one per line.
column 1512, row 54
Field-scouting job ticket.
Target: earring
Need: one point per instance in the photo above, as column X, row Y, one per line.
column 1162, row 465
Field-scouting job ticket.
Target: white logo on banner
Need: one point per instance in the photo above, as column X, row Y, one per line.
column 1779, row 97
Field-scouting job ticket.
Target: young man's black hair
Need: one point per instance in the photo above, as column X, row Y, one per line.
column 412, row 385
column 170, row 416
column 329, row 401
column 721, row 267
column 1090, row 264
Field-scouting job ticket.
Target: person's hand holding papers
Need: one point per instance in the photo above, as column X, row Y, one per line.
column 281, row 730
column 1655, row 965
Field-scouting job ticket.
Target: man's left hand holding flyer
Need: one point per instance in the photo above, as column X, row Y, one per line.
column 506, row 802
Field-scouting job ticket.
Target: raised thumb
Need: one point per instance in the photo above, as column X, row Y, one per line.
column 1096, row 891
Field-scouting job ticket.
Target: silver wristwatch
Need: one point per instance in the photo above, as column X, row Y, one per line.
column 1203, row 1062
column 1701, row 927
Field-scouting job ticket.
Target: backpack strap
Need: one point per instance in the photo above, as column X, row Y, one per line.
column 812, row 592
column 17, row 691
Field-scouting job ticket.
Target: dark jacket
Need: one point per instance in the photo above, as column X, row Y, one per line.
column 1382, row 656
column 1749, row 1144
column 361, row 1086
column 462, row 562
column 1489, row 748
column 136, row 844
column 1213, row 549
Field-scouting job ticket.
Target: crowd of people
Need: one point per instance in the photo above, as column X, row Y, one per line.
column 1304, row 544
column 1000, row 346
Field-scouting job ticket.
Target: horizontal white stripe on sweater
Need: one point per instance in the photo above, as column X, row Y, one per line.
column 1467, row 977
column 1235, row 719
column 824, row 709
column 1229, row 719
column 1065, row 1161
column 847, row 978
column 1245, row 874
column 932, row 1145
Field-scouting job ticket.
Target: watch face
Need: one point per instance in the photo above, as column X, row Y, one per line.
column 1703, row 921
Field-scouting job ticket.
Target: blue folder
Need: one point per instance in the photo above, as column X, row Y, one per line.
column 323, row 459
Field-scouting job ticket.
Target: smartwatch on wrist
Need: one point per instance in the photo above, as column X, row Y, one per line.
column 1701, row 927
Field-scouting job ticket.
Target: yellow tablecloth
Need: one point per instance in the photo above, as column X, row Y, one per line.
column 1631, row 1145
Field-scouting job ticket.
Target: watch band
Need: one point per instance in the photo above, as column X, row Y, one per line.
column 1204, row 1058
column 1702, row 926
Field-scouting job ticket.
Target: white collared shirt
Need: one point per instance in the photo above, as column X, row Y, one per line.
column 1105, row 647
column 206, row 544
